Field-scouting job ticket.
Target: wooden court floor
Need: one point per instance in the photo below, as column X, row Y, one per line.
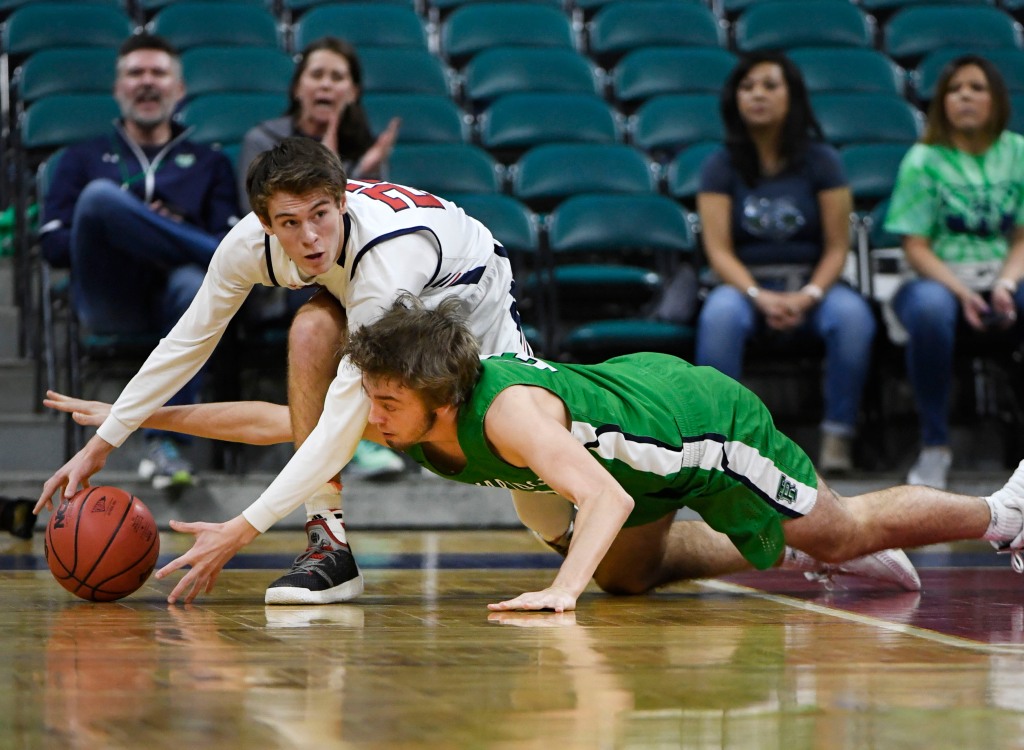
column 767, row 661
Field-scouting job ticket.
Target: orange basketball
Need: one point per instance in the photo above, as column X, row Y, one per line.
column 102, row 544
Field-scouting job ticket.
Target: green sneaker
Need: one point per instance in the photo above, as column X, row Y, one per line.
column 373, row 461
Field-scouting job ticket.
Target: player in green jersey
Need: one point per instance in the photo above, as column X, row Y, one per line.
column 628, row 442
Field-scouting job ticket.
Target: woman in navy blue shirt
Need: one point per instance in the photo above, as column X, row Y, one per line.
column 775, row 206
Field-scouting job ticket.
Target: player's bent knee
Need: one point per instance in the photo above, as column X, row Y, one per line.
column 623, row 583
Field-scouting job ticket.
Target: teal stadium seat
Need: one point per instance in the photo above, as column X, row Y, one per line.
column 445, row 169
column 204, row 23
column 48, row 25
column 149, row 8
column 607, row 258
column 63, row 119
column 884, row 9
column 853, row 69
column 547, row 174
column 224, row 118
column 785, row 24
column 508, row 70
column 425, row 118
column 403, row 70
column 914, row 32
column 866, row 118
column 871, row 170
column 65, row 70
column 212, row 70
column 1008, row 60
column 644, row 73
column 618, row 28
column 1017, row 113
column 361, row 24
column 665, row 124
column 293, row 9
column 471, row 29
column 517, row 122
column 682, row 176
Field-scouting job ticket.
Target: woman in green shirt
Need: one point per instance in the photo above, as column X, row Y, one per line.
column 959, row 204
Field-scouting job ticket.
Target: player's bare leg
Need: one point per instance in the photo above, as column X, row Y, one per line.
column 326, row 572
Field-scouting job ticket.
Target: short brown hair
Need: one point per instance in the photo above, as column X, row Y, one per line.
column 939, row 130
column 296, row 166
column 432, row 352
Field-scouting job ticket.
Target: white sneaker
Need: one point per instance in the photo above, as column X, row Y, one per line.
column 889, row 566
column 932, row 467
column 1009, row 500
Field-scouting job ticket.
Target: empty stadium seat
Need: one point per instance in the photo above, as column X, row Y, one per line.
column 516, row 122
column 866, row 118
column 802, row 23
column 849, row 69
column 871, row 170
column 682, row 177
column 425, row 118
column 402, row 70
column 444, row 169
column 224, row 118
column 66, row 70
column 621, row 27
column 665, row 124
column 47, row 25
column 476, row 27
column 210, row 70
column 547, row 174
column 507, row 70
column 649, row 72
column 361, row 24
column 916, row 31
column 228, row 24
column 608, row 256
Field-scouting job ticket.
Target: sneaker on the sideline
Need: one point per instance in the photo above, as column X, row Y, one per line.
column 16, row 516
column 889, row 566
column 836, row 454
column 324, row 574
column 164, row 465
column 1009, row 499
column 373, row 461
column 932, row 467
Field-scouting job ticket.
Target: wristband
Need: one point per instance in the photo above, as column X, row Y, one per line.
column 1008, row 284
column 753, row 292
column 813, row 291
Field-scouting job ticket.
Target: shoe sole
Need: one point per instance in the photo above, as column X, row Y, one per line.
column 294, row 595
column 891, row 566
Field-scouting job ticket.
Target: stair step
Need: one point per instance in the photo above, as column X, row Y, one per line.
column 17, row 386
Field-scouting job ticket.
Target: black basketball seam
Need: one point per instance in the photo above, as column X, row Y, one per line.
column 125, row 570
column 110, row 539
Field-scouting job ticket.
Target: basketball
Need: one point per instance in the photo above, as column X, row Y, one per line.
column 101, row 544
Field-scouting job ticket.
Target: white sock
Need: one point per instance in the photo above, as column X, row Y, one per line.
column 1006, row 522
column 326, row 504
column 794, row 559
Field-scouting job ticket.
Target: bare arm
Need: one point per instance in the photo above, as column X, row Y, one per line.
column 529, row 427
column 249, row 422
column 1013, row 271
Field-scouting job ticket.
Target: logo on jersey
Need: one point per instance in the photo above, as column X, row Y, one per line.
column 786, row 493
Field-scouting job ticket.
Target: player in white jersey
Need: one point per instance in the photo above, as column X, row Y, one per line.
column 363, row 246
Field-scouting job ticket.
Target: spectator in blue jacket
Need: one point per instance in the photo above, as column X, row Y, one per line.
column 137, row 214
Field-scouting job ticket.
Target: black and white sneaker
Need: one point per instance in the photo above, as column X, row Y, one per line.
column 325, row 573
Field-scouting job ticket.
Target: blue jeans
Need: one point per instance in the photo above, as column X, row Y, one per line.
column 843, row 321
column 132, row 270
column 931, row 314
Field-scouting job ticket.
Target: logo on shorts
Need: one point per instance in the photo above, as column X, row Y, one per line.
column 787, row 490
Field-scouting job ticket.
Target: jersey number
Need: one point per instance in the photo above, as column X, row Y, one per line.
column 385, row 192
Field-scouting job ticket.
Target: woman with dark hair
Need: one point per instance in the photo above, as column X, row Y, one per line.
column 775, row 209
column 325, row 104
column 959, row 205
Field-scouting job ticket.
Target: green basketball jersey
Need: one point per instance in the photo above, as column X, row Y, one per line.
column 670, row 433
